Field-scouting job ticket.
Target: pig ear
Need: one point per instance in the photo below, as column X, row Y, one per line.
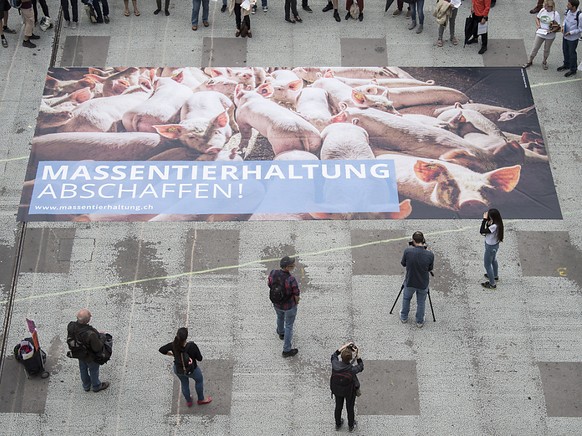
column 505, row 179
column 462, row 118
column 171, row 131
column 266, row 90
column 145, row 84
column 221, row 120
column 179, row 77
column 458, row 105
column 82, row 95
column 214, row 72
column 296, row 85
column 340, row 118
column 405, row 211
column 358, row 97
column 510, row 152
column 328, row 74
column 455, row 155
column 428, row 171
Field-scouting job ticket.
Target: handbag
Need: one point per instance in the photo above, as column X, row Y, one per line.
column 555, row 26
column 186, row 366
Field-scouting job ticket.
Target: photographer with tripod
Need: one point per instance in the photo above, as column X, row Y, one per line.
column 418, row 261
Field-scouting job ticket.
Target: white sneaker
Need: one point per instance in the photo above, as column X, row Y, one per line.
column 265, row 8
column 67, row 24
column 73, row 25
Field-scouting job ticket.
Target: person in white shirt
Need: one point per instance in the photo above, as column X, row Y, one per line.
column 547, row 24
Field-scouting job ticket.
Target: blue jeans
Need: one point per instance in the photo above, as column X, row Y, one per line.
column 418, row 6
column 89, row 375
column 198, row 383
column 285, row 320
column 420, row 300
column 569, row 50
column 196, row 10
column 490, row 261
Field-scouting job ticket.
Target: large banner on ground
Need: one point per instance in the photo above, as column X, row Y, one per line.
column 179, row 144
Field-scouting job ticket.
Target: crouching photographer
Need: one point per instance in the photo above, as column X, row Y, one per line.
column 344, row 383
column 418, row 261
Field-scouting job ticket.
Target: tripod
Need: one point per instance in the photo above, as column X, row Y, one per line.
column 429, row 300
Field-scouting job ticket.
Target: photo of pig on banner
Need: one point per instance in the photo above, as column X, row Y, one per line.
column 254, row 143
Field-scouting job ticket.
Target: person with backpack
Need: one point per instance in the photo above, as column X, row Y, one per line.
column 186, row 354
column 572, row 29
column 344, row 383
column 284, row 293
column 86, row 344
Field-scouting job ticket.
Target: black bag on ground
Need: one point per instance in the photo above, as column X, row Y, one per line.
column 33, row 360
column 277, row 290
column 342, row 383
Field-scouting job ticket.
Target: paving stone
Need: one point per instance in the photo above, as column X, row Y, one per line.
column 363, row 52
column 377, row 259
column 18, row 394
column 217, row 384
column 207, row 249
column 224, row 52
column 389, row 387
column 47, row 250
column 505, row 53
column 82, row 51
column 562, row 388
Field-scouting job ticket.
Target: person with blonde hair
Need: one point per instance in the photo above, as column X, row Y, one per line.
column 547, row 24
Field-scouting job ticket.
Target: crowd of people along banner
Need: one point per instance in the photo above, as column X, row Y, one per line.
column 255, row 143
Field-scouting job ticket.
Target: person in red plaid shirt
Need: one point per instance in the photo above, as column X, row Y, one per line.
column 286, row 310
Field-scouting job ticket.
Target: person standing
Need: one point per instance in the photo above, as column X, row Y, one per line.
column 135, row 9
column 572, row 29
column 102, row 14
column 332, row 4
column 4, row 8
column 291, row 8
column 446, row 13
column 44, row 8
column 418, row 261
column 28, row 20
column 242, row 18
column 196, row 12
column 545, row 34
column 159, row 7
column 285, row 306
column 186, row 354
column 417, row 8
column 349, row 4
column 344, row 382
column 75, row 11
column 81, row 333
column 492, row 229
column 480, row 10
column 399, row 6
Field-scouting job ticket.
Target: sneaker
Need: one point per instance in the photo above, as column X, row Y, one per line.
column 328, row 7
column 482, row 50
column 486, row 276
column 338, row 426
column 281, row 336
column 419, row 30
column 488, row 285
column 307, row 8
column 106, row 18
column 408, row 13
column 157, row 11
column 104, row 385
column 412, row 25
column 439, row 43
column 254, row 9
column 206, row 400
column 7, row 29
column 33, row 36
column 454, row 40
column 351, row 427
column 167, row 13
column 87, row 389
column 336, row 16
column 4, row 42
column 420, row 325
column 545, row 67
column 403, row 321
column 292, row 352
column 189, row 402
column 205, row 23
column 28, row 44
column 397, row 12
column 570, row 73
column 361, row 16
column 73, row 25
column 223, row 8
column 471, row 41
column 265, row 8
column 195, row 28
column 67, row 24
column 562, row 68
column 348, row 16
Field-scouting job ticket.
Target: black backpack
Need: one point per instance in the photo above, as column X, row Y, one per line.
column 342, row 383
column 277, row 290
column 105, row 354
column 77, row 348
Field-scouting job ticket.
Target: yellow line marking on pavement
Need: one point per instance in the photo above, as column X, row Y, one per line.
column 535, row 85
column 14, row 158
column 229, row 267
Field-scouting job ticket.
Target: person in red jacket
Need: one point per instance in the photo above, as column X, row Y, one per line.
column 480, row 10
